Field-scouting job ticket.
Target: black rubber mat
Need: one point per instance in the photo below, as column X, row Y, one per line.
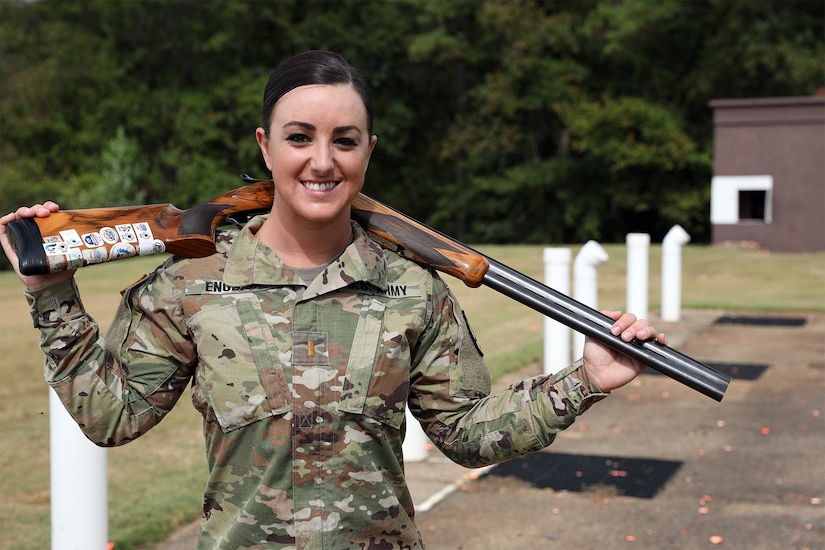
column 740, row 371
column 762, row 321
column 633, row 477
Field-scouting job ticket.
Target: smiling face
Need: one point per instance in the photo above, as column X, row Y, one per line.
column 318, row 148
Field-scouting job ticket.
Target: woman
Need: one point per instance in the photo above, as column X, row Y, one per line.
column 301, row 349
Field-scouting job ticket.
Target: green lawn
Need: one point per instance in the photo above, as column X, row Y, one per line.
column 155, row 482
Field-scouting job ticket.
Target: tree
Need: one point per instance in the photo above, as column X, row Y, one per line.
column 121, row 182
column 521, row 121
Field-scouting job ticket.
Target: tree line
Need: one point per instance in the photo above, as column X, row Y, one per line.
column 498, row 120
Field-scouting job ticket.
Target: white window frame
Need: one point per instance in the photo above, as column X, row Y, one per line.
column 724, row 197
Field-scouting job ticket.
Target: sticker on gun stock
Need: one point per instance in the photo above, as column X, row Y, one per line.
column 144, row 232
column 154, row 247
column 71, row 237
column 92, row 240
column 95, row 255
column 109, row 235
column 126, row 232
column 56, row 248
column 74, row 259
column 122, row 250
column 57, row 262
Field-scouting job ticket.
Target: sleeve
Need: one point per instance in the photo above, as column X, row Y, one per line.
column 117, row 387
column 451, row 396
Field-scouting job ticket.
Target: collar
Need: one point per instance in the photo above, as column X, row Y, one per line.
column 250, row 262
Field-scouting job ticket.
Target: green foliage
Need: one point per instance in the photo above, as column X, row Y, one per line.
column 646, row 167
column 122, row 172
column 521, row 121
column 628, row 133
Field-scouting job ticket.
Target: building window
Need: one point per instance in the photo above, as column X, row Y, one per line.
column 752, row 205
column 741, row 199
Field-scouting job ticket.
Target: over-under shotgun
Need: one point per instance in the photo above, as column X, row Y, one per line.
column 70, row 239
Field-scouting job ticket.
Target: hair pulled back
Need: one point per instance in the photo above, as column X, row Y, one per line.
column 313, row 67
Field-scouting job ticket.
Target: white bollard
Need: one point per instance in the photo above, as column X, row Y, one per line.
column 672, row 273
column 585, row 283
column 415, row 443
column 79, row 499
column 556, row 335
column 638, row 246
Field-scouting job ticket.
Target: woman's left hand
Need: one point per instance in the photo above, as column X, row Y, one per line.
column 610, row 369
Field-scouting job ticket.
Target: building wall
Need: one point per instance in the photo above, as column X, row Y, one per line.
column 783, row 138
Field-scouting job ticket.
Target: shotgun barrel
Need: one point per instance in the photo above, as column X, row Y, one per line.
column 595, row 324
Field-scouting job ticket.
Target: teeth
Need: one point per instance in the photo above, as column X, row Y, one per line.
column 319, row 186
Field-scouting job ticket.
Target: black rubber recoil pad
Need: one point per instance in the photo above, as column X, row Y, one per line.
column 27, row 242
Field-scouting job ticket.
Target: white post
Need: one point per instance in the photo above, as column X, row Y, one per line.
column 585, row 283
column 672, row 273
column 556, row 335
column 79, row 505
column 638, row 245
column 415, row 443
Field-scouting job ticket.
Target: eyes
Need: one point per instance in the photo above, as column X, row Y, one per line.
column 300, row 138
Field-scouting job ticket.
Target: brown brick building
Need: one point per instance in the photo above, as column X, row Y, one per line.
column 769, row 172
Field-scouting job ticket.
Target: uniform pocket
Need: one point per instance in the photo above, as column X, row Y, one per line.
column 377, row 381
column 237, row 356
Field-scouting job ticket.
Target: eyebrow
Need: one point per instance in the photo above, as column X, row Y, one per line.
column 311, row 127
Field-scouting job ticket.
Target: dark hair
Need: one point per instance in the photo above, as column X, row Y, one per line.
column 313, row 67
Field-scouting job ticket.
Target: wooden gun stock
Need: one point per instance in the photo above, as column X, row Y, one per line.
column 417, row 242
column 70, row 239
column 75, row 238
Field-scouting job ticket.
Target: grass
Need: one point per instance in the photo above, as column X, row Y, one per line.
column 155, row 483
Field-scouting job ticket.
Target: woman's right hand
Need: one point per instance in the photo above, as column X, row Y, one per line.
column 32, row 282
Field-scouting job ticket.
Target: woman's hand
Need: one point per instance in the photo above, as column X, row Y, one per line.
column 32, row 282
column 610, row 369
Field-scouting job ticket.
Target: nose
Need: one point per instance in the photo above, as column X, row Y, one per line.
column 322, row 161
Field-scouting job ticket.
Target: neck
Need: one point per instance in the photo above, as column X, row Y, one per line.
column 304, row 244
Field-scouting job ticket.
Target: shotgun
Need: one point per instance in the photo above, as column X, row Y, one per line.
column 70, row 239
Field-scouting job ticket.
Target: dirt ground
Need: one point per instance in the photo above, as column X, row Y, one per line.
column 657, row 465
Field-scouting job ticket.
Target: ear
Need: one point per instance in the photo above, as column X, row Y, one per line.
column 373, row 141
column 263, row 144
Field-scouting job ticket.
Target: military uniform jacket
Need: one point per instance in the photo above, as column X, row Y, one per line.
column 302, row 387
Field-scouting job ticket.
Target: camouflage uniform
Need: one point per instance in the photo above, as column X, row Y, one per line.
column 302, row 388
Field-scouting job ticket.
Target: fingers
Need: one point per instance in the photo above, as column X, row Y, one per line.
column 37, row 210
column 626, row 324
column 628, row 327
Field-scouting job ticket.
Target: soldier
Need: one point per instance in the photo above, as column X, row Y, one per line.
column 304, row 341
